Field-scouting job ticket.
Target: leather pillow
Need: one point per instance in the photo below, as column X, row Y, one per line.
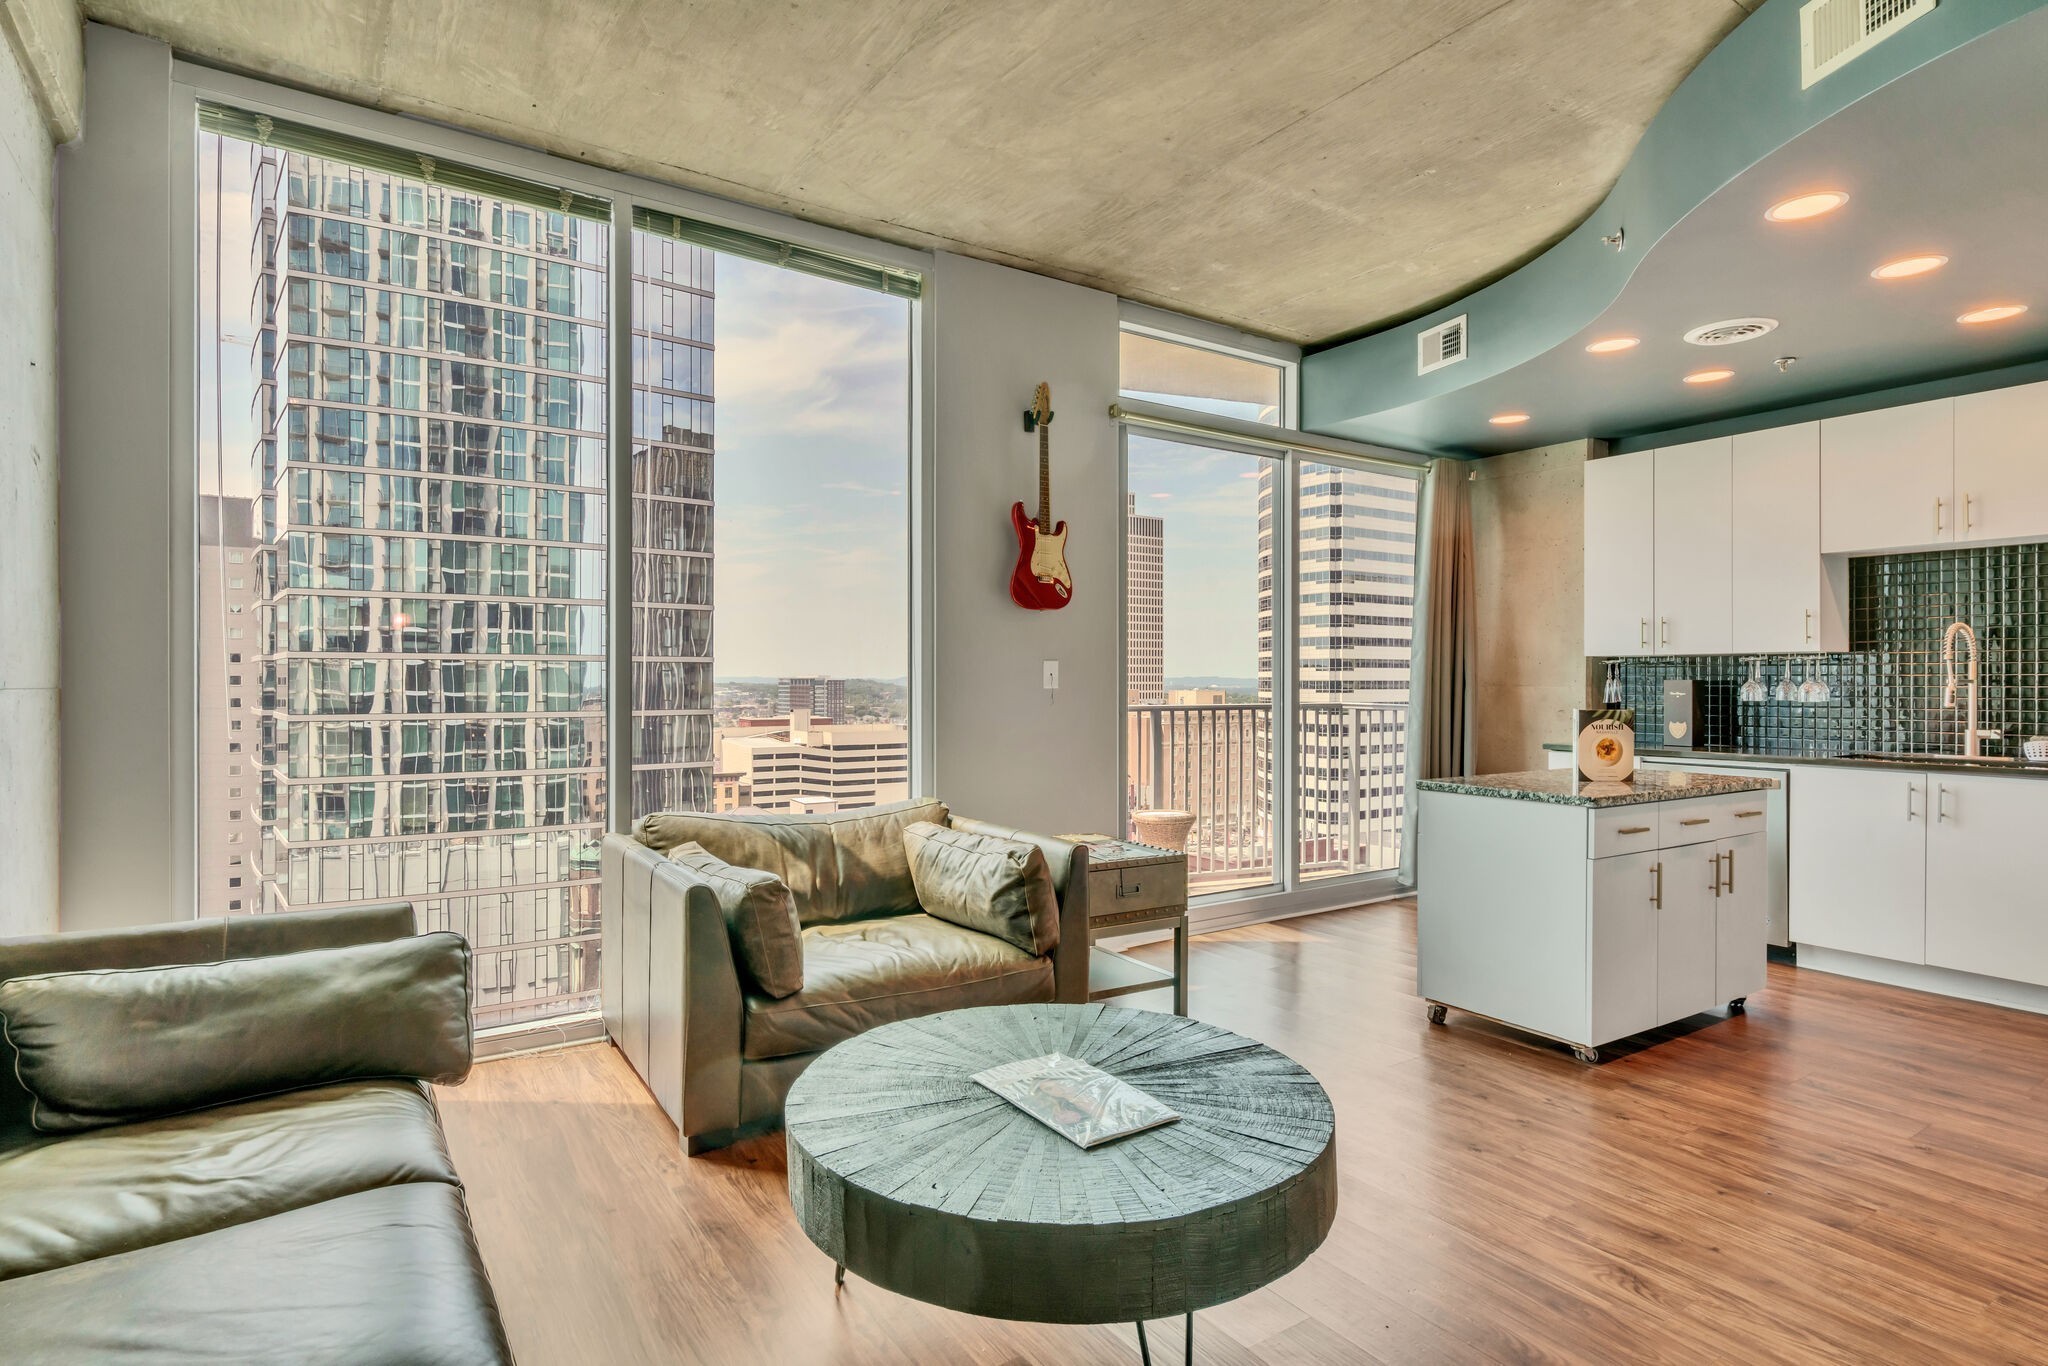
column 998, row 886
column 113, row 1046
column 760, row 915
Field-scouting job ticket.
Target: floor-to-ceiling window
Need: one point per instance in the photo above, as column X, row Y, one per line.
column 402, row 551
column 804, row 706
column 1243, row 551
column 407, row 449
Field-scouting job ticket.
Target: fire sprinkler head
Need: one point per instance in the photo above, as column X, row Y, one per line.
column 1784, row 363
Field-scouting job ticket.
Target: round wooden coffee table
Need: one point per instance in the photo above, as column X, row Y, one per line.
column 908, row 1173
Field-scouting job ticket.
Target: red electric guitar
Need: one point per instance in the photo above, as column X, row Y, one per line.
column 1040, row 581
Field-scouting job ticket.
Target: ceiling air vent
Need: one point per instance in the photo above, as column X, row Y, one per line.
column 1441, row 345
column 1833, row 33
column 1730, row 332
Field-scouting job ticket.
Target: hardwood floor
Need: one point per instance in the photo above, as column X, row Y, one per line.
column 1849, row 1173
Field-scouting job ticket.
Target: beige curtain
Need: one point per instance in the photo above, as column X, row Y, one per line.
column 1445, row 646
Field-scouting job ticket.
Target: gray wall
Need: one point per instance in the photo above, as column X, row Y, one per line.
column 1007, row 749
column 1528, row 535
column 28, row 507
column 119, row 845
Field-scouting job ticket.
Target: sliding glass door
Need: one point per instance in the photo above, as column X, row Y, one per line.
column 1356, row 532
column 1199, row 719
column 1268, row 611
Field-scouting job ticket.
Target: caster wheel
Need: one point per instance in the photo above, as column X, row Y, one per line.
column 1437, row 1011
column 1738, row 1006
column 1585, row 1054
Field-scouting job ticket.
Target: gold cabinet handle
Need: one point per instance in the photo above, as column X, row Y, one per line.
column 1941, row 801
column 1745, row 815
column 1643, row 634
column 1809, row 626
column 1663, row 630
column 1968, row 520
column 1657, row 885
column 1911, row 790
column 1633, row 830
column 1937, row 516
column 1696, row 820
column 1731, row 872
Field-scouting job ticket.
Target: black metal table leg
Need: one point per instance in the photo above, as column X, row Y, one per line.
column 839, row 1274
column 1144, row 1349
column 1189, row 1356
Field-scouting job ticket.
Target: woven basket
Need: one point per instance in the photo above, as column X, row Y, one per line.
column 1162, row 829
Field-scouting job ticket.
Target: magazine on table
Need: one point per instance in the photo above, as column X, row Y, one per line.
column 1083, row 1104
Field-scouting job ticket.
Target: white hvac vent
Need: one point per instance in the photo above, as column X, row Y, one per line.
column 1444, row 344
column 1730, row 332
column 1833, row 33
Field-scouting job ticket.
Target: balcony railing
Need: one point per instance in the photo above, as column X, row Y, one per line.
column 1216, row 762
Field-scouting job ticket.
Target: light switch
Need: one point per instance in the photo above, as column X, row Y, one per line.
column 1052, row 673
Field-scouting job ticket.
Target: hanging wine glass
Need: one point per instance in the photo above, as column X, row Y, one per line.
column 1753, row 689
column 1787, row 691
column 1812, row 690
column 1611, row 697
column 1821, row 691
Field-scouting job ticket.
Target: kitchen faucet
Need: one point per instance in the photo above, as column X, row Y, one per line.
column 1972, row 737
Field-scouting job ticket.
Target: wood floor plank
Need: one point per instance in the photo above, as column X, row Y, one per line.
column 1849, row 1172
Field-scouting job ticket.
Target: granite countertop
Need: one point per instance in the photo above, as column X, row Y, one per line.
column 1561, row 787
column 1936, row 763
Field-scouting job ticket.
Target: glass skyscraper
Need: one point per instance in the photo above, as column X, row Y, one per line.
column 415, row 686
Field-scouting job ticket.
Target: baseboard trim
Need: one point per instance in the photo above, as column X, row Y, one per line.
column 1967, row 986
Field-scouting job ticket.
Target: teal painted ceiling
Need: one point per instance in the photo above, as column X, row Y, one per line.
column 1939, row 136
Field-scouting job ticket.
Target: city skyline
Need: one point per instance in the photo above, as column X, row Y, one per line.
column 404, row 543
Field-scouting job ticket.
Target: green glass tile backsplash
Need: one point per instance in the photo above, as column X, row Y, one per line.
column 1887, row 688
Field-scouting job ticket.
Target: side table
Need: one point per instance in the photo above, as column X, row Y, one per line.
column 1135, row 887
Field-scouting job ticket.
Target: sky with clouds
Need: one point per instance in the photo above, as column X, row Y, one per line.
column 1209, row 500
column 813, row 518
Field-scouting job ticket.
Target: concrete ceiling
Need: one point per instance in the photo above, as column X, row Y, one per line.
column 1305, row 169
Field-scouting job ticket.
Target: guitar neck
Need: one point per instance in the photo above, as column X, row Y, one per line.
column 1044, row 482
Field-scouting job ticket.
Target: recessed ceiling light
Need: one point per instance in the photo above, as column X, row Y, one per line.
column 1608, row 345
column 1709, row 376
column 1508, row 419
column 1997, row 313
column 1805, row 206
column 1907, row 267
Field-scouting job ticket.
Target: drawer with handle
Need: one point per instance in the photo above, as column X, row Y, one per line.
column 1624, row 830
column 1710, row 818
column 1121, row 891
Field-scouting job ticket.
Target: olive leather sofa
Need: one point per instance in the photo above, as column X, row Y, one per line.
column 323, row 1224
column 719, row 1056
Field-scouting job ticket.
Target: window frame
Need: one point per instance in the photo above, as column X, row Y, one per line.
column 1288, row 893
column 191, row 84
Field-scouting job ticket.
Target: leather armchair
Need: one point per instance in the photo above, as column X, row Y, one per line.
column 719, row 1057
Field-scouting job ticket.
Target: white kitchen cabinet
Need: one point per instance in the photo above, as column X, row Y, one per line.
column 1887, row 478
column 1687, row 935
column 1741, row 915
column 1693, row 549
column 1624, row 944
column 1987, row 896
column 1859, row 861
column 2001, row 464
column 1620, row 553
column 1781, row 596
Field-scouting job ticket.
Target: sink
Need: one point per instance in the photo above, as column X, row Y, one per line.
column 1921, row 760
